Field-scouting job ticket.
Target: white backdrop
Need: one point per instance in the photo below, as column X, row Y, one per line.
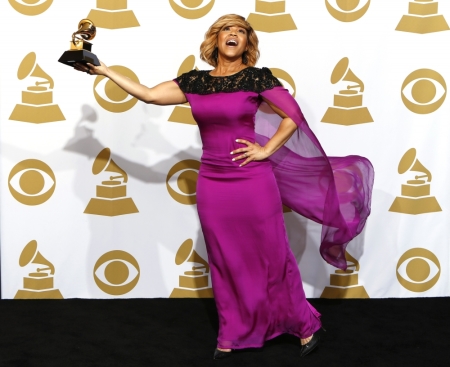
column 47, row 177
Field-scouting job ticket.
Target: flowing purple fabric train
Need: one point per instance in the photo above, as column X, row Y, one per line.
column 333, row 191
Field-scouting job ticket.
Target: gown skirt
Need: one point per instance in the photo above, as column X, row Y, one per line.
column 256, row 280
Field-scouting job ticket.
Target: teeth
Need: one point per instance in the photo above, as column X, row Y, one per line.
column 232, row 42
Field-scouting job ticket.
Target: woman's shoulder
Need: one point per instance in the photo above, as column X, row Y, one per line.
column 259, row 71
column 262, row 79
column 191, row 80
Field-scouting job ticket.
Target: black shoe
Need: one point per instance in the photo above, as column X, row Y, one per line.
column 310, row 346
column 220, row 354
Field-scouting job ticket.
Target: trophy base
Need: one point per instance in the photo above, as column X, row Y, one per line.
column 192, row 293
column 351, row 292
column 182, row 115
column 347, row 117
column 48, row 294
column 113, row 19
column 81, row 56
column 415, row 206
column 111, row 208
column 422, row 25
column 37, row 114
column 271, row 23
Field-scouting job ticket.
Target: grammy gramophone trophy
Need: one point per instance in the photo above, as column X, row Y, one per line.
column 415, row 194
column 38, row 284
column 80, row 49
column 111, row 198
column 348, row 106
column 345, row 283
column 193, row 283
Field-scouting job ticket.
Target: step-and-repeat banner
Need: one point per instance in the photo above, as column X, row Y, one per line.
column 98, row 190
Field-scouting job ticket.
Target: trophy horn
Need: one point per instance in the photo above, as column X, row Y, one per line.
column 351, row 77
column 86, row 30
column 343, row 72
column 351, row 261
column 187, row 253
column 38, row 72
column 409, row 162
column 103, row 162
column 31, row 255
column 28, row 67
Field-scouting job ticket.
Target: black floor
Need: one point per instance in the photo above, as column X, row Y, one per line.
column 182, row 332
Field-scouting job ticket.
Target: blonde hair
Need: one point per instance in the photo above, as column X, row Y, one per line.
column 208, row 48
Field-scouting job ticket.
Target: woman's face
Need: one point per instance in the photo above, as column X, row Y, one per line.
column 232, row 42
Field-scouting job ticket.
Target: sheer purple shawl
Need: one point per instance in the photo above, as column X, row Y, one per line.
column 333, row 191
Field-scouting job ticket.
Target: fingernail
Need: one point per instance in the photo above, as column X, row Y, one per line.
column 233, row 159
column 231, row 152
column 237, row 141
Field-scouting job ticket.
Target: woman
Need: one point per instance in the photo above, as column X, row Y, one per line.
column 243, row 180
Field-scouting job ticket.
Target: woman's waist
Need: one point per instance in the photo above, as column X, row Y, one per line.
column 218, row 168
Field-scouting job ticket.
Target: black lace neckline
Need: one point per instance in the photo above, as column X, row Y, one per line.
column 250, row 79
column 224, row 76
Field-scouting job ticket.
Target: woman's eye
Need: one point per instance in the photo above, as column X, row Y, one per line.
column 242, row 31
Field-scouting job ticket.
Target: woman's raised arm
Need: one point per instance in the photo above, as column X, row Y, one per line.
column 166, row 93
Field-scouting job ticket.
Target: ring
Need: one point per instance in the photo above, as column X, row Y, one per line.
column 245, row 155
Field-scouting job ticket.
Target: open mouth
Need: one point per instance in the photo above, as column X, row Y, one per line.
column 232, row 42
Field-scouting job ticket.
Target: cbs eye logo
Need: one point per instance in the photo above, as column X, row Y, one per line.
column 116, row 272
column 347, row 10
column 181, row 181
column 31, row 7
column 418, row 270
column 192, row 9
column 424, row 91
column 31, row 182
column 110, row 96
column 285, row 79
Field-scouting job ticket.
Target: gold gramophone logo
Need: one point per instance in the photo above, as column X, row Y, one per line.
column 418, row 270
column 192, row 9
column 183, row 113
column 31, row 7
column 113, row 14
column 31, row 182
column 423, row 18
column 110, row 96
column 37, row 101
column 344, row 283
column 285, row 77
column 39, row 283
column 193, row 283
column 424, row 91
column 416, row 196
column 270, row 16
column 348, row 103
column 116, row 272
column 111, row 195
column 347, row 10
column 181, row 181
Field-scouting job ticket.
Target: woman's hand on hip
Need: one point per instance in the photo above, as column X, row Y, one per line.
column 252, row 152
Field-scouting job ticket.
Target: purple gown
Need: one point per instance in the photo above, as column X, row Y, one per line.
column 256, row 282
